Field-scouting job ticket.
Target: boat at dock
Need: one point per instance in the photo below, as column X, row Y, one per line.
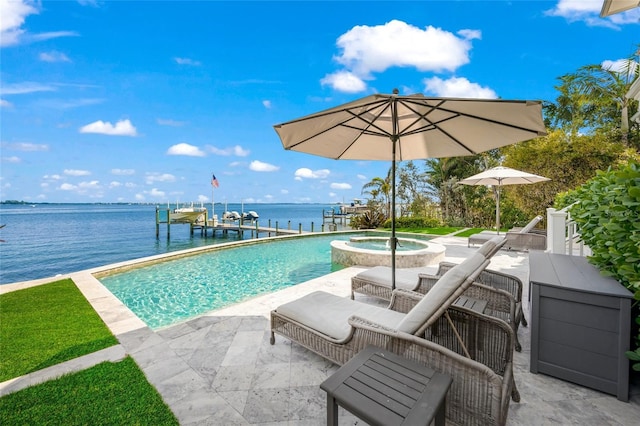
column 191, row 214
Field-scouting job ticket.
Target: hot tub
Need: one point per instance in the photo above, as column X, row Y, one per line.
column 375, row 251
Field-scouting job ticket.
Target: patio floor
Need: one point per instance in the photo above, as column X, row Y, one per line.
column 219, row 369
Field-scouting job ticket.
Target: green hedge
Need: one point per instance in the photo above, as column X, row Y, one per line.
column 607, row 212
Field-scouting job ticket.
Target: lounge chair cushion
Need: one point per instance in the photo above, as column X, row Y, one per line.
column 531, row 225
column 329, row 314
column 488, row 248
column 406, row 278
column 440, row 293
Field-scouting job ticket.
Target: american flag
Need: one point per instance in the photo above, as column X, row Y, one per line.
column 214, row 181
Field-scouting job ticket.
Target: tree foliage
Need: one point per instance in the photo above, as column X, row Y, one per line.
column 568, row 160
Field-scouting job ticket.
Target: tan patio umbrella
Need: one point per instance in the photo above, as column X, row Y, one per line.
column 396, row 128
column 498, row 177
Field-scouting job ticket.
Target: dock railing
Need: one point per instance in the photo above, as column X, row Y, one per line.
column 563, row 235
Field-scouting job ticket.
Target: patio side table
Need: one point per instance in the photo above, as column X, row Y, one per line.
column 385, row 389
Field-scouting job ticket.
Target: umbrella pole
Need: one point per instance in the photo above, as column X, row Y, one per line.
column 394, row 141
column 498, row 209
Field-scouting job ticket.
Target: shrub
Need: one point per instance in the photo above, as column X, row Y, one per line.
column 370, row 219
column 607, row 212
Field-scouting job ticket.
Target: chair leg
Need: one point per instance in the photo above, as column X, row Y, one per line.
column 515, row 394
column 524, row 320
column 272, row 339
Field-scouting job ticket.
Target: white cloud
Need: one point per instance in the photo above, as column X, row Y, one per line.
column 588, row 11
column 457, row 87
column 361, row 177
column 12, row 159
column 186, row 149
column 266, row 104
column 94, row 184
column 52, row 177
column 114, row 184
column 284, row 191
column 155, row 192
column 74, row 172
column 123, row 172
column 53, row 56
column 236, row 150
column 140, row 197
column 25, row 87
column 306, row 173
column 366, row 49
column 259, row 166
column 68, row 187
column 169, row 122
column 121, row 128
column 337, row 185
column 159, row 177
column 14, row 13
column 621, row 66
column 187, row 61
column 203, row 198
column 344, row 81
column 5, row 104
column 28, row 147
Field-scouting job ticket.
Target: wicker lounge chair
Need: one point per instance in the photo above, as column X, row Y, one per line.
column 479, row 394
column 526, row 238
column 323, row 322
column 376, row 281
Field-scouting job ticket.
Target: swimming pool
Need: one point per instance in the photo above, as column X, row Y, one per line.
column 172, row 291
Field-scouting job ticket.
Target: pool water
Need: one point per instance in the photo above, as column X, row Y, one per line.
column 165, row 293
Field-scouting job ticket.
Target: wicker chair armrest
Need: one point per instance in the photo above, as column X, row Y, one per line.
column 427, row 281
column 497, row 300
column 404, row 300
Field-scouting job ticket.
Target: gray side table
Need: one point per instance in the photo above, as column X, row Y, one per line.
column 580, row 323
column 385, row 389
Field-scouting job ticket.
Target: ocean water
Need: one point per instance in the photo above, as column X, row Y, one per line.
column 44, row 240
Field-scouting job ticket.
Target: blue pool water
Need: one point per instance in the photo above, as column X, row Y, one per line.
column 165, row 293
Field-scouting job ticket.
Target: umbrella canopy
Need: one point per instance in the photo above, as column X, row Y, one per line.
column 500, row 176
column 396, row 128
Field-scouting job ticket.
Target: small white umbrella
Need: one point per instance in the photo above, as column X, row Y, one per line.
column 500, row 176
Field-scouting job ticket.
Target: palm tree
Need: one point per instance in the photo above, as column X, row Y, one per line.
column 380, row 188
column 594, row 95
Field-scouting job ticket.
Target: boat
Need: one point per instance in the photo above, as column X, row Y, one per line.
column 250, row 215
column 232, row 215
column 191, row 214
column 355, row 207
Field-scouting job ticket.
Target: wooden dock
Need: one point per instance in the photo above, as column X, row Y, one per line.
column 204, row 226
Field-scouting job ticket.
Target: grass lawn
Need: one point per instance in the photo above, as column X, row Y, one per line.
column 430, row 231
column 106, row 394
column 46, row 325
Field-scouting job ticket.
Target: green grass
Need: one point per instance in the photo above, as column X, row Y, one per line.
column 430, row 231
column 468, row 232
column 46, row 325
column 106, row 394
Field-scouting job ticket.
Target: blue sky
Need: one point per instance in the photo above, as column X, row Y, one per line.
column 122, row 101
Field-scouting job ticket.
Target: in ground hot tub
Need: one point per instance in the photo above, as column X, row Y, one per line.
column 375, row 251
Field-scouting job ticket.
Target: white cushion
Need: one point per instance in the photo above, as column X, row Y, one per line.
column 531, row 225
column 329, row 314
column 406, row 278
column 440, row 293
column 487, row 247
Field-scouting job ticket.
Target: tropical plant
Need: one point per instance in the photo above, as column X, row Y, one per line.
column 380, row 191
column 594, row 97
column 370, row 219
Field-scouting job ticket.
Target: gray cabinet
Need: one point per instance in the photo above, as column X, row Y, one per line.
column 580, row 323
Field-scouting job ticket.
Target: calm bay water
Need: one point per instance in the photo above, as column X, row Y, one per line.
column 50, row 239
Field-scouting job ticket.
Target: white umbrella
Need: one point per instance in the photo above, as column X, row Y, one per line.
column 396, row 128
column 500, row 176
